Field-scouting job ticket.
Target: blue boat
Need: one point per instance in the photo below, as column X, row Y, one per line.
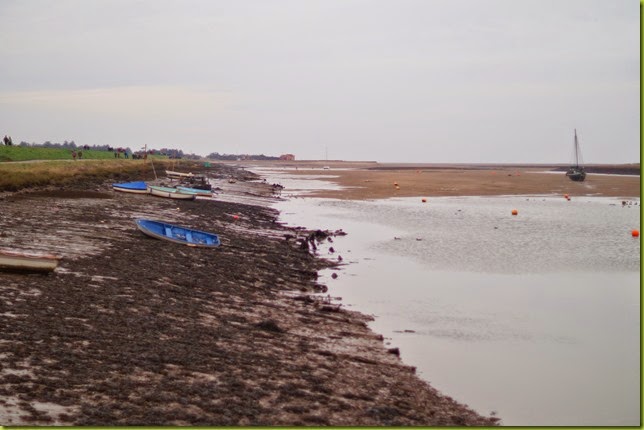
column 138, row 187
column 174, row 233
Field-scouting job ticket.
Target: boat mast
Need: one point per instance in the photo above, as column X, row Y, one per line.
column 576, row 150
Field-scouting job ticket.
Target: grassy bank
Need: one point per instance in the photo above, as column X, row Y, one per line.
column 23, row 153
column 16, row 176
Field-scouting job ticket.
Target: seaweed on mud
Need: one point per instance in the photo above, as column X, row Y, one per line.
column 134, row 331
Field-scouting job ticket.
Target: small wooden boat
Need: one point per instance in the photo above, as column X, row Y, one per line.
column 178, row 175
column 138, row 187
column 174, row 233
column 197, row 191
column 20, row 261
column 171, row 193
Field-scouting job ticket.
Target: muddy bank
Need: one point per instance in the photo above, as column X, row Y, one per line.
column 135, row 331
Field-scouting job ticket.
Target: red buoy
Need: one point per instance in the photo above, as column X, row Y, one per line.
column 515, row 212
column 635, row 233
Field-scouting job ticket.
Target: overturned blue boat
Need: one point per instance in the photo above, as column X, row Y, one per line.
column 138, row 187
column 174, row 233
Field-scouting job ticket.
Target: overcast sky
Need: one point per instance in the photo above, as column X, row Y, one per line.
column 385, row 80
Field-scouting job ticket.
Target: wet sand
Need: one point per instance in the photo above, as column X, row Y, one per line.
column 131, row 330
column 384, row 180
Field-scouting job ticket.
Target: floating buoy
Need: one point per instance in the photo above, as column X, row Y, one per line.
column 635, row 233
column 397, row 187
column 515, row 212
column 566, row 196
column 235, row 217
column 424, row 200
column 395, row 184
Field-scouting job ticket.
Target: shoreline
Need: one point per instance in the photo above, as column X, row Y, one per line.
column 136, row 331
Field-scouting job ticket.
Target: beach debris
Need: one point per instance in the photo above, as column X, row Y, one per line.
column 269, row 325
column 635, row 233
column 394, row 351
column 515, row 212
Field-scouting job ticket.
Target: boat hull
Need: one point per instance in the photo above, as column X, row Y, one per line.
column 576, row 175
column 182, row 235
column 27, row 262
column 197, row 191
column 138, row 187
column 178, row 175
column 170, row 193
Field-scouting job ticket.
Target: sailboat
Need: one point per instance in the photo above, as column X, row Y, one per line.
column 576, row 172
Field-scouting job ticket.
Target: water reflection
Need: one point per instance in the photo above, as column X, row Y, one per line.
column 535, row 317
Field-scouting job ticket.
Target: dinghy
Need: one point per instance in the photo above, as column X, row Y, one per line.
column 138, row 187
column 174, row 233
column 20, row 261
column 197, row 191
column 170, row 193
column 178, row 175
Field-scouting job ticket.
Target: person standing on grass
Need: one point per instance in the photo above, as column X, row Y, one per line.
column 74, row 155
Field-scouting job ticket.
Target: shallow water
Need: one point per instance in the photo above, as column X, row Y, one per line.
column 535, row 317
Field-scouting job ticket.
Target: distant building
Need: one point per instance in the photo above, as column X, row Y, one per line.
column 287, row 157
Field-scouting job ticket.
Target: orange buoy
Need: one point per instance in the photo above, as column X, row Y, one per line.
column 395, row 184
column 235, row 217
column 635, row 233
column 515, row 212
column 424, row 200
column 565, row 196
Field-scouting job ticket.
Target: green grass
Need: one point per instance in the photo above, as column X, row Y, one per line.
column 38, row 173
column 25, row 153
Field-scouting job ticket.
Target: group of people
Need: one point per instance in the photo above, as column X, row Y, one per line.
column 7, row 140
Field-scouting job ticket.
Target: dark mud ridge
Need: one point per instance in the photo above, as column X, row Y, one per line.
column 130, row 330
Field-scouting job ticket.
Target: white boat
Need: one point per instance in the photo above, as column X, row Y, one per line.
column 178, row 175
column 170, row 193
column 27, row 261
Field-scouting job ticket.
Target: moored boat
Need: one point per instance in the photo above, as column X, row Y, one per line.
column 138, row 187
column 171, row 193
column 13, row 260
column 178, row 175
column 576, row 172
column 197, row 191
column 177, row 234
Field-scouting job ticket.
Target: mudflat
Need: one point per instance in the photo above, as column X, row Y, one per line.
column 370, row 180
column 131, row 330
